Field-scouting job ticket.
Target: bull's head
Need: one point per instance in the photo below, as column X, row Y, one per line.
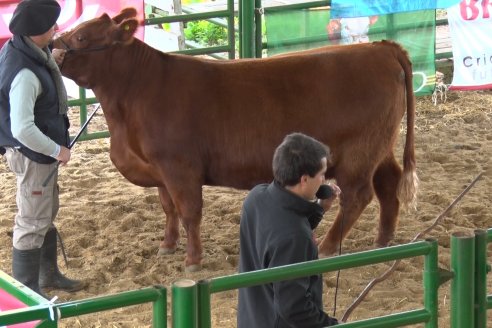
column 87, row 45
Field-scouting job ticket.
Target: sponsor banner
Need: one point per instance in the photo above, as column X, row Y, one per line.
column 470, row 24
column 359, row 8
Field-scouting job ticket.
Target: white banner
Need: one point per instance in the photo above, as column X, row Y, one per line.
column 470, row 23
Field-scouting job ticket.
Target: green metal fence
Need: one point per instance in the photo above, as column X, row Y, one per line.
column 49, row 314
column 195, row 297
column 191, row 301
column 469, row 269
column 469, row 300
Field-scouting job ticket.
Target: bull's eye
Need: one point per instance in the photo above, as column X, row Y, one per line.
column 80, row 38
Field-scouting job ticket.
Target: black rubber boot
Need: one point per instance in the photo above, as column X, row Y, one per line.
column 49, row 275
column 25, row 268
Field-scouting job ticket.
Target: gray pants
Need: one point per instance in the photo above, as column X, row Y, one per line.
column 37, row 205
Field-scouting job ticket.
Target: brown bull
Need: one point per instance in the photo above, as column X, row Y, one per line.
column 179, row 122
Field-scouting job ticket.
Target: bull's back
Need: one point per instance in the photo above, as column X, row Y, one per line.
column 341, row 96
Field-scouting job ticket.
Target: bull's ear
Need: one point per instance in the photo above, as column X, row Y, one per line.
column 125, row 13
column 125, row 30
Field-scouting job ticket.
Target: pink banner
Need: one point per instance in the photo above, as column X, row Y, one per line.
column 73, row 13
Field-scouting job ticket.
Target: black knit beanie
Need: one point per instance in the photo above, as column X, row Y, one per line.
column 34, row 17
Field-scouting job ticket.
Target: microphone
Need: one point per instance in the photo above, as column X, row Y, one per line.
column 324, row 192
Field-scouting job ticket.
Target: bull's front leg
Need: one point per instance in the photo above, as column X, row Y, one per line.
column 171, row 234
column 193, row 245
column 190, row 210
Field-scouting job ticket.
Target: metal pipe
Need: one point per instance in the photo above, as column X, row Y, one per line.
column 74, row 140
column 159, row 308
column 462, row 291
column 247, row 28
column 431, row 285
column 480, row 279
column 204, row 308
column 298, row 270
column 392, row 320
column 186, row 17
column 231, row 31
column 184, row 304
column 80, row 307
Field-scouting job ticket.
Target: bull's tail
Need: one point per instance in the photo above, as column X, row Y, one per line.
column 409, row 182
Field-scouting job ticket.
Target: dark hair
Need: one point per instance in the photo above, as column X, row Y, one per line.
column 298, row 154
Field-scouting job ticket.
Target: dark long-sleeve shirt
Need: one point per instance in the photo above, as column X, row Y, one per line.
column 275, row 230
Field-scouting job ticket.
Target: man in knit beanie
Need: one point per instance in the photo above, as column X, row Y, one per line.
column 34, row 134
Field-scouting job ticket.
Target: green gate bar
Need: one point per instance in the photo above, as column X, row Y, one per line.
column 247, row 28
column 431, row 277
column 155, row 294
column 184, row 304
column 462, row 290
column 489, row 240
column 480, row 279
column 432, row 281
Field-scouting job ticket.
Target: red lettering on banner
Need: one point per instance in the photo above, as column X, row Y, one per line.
column 471, row 10
column 485, row 7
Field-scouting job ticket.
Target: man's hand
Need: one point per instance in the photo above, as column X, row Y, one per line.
column 326, row 203
column 64, row 155
column 59, row 55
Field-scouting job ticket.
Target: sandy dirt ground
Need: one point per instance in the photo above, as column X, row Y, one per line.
column 111, row 228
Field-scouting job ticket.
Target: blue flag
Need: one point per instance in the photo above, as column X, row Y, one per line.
column 360, row 8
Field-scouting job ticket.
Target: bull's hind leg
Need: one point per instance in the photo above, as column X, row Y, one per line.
column 355, row 196
column 171, row 234
column 385, row 182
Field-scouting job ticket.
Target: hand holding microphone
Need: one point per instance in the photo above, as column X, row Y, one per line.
column 326, row 194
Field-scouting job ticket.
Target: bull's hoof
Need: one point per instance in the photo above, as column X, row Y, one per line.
column 193, row 268
column 323, row 255
column 166, row 251
column 383, row 241
column 327, row 250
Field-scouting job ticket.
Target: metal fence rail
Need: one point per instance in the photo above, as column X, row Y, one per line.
column 50, row 314
column 195, row 297
column 191, row 300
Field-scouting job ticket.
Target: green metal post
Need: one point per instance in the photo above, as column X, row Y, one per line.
column 159, row 309
column 83, row 108
column 184, row 304
column 231, row 37
column 462, row 290
column 204, row 309
column 246, row 28
column 258, row 23
column 480, row 279
column 431, row 284
column 489, row 240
